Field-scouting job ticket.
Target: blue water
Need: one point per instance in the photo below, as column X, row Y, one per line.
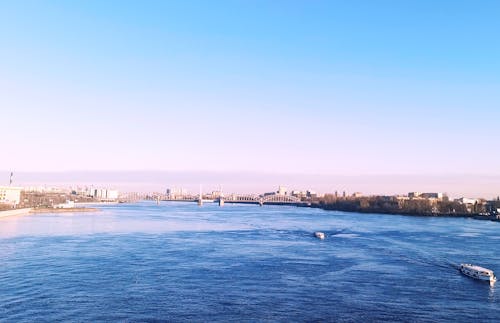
column 179, row 262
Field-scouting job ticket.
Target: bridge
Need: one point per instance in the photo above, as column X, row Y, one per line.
column 272, row 199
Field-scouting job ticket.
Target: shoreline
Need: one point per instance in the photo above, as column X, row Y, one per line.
column 80, row 207
column 15, row 212
column 423, row 215
column 95, row 203
column 64, row 210
column 474, row 216
column 27, row 211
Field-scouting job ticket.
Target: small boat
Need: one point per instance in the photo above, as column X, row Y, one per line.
column 478, row 272
column 319, row 235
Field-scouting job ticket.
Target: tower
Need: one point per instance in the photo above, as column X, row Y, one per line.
column 221, row 197
column 200, row 198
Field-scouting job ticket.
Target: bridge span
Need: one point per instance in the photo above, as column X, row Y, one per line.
column 272, row 199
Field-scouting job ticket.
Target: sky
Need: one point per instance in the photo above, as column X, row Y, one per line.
column 318, row 88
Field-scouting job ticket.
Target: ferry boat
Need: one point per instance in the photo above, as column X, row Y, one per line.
column 319, row 235
column 478, row 272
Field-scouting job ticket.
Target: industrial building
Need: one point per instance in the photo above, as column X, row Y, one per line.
column 10, row 195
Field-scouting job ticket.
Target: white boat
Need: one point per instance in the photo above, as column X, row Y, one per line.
column 319, row 235
column 478, row 272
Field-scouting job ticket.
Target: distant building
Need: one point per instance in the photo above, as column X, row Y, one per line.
column 103, row 194
column 215, row 195
column 67, row 205
column 426, row 195
column 10, row 195
column 176, row 193
column 432, row 195
column 298, row 194
column 281, row 191
column 472, row 205
column 303, row 194
column 465, row 200
column 311, row 194
column 414, row 194
column 100, row 193
column 42, row 189
column 112, row 195
column 357, row 194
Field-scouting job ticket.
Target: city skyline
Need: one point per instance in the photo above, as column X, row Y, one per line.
column 314, row 91
column 456, row 186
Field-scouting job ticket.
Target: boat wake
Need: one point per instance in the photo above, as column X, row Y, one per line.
column 386, row 246
column 410, row 253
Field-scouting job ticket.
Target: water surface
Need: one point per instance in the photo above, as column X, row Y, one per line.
column 180, row 262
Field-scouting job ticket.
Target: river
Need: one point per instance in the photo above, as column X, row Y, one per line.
column 181, row 262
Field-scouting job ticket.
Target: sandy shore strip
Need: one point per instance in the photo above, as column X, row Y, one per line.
column 65, row 210
column 15, row 212
column 26, row 211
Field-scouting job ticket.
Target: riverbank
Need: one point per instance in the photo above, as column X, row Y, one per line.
column 65, row 210
column 401, row 212
column 94, row 203
column 27, row 211
column 15, row 212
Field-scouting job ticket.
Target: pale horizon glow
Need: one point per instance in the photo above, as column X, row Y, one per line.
column 300, row 89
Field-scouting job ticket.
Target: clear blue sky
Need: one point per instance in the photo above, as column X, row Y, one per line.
column 314, row 87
